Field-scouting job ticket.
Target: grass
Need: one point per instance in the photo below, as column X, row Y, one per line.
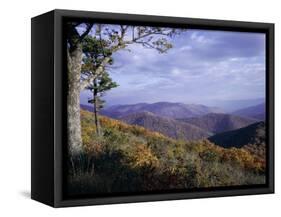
column 133, row 159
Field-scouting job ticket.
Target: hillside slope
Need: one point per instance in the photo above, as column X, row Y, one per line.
column 167, row 126
column 129, row 158
column 252, row 134
column 217, row 123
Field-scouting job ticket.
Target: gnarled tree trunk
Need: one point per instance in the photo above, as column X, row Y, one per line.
column 74, row 59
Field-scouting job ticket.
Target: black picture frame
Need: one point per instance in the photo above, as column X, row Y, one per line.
column 49, row 115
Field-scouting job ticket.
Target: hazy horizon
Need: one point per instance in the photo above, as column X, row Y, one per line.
column 84, row 101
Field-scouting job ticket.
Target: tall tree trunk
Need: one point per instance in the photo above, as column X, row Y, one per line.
column 74, row 59
column 95, row 93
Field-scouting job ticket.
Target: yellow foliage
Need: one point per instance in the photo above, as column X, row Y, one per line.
column 143, row 157
column 142, row 148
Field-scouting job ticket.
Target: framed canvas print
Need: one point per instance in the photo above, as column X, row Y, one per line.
column 131, row 108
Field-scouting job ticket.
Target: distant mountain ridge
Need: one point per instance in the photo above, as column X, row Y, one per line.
column 177, row 120
column 217, row 123
column 257, row 111
column 87, row 107
column 232, row 105
column 253, row 134
column 167, row 126
column 163, row 109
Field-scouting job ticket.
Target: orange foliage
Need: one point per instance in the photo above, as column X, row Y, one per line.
column 143, row 157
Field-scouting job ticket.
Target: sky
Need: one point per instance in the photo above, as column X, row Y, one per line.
column 203, row 66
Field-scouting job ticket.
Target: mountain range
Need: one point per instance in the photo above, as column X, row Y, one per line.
column 233, row 105
column 163, row 109
column 184, row 121
column 217, row 123
column 167, row 126
column 257, row 111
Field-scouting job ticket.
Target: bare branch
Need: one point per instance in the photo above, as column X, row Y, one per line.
column 116, row 38
column 88, row 29
column 133, row 33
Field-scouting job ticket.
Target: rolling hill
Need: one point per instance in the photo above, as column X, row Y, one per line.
column 217, row 123
column 253, row 134
column 257, row 111
column 129, row 158
column 163, row 109
column 167, row 126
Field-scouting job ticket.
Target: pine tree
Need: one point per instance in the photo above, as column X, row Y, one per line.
column 101, row 41
column 98, row 88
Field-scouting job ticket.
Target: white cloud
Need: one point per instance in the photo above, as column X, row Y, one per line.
column 201, row 39
column 176, row 71
column 198, row 67
column 186, row 48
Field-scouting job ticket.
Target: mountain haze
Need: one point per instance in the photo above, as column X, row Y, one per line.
column 163, row 109
column 257, row 111
column 167, row 126
column 217, row 123
column 233, row 105
column 87, row 107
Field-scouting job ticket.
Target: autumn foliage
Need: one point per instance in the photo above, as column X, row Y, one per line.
column 133, row 159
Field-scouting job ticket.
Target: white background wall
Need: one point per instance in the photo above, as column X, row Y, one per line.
column 15, row 106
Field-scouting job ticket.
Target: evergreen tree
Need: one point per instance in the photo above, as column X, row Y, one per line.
column 98, row 88
column 95, row 50
column 105, row 41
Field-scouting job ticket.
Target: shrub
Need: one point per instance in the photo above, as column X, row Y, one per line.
column 130, row 158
